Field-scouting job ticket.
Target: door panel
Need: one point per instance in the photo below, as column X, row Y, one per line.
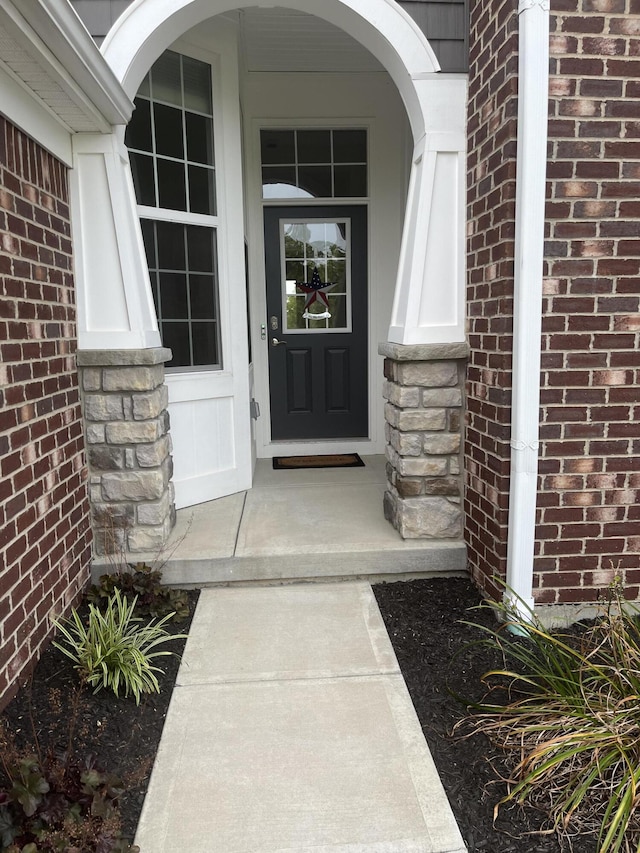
column 337, row 379
column 317, row 291
column 299, row 388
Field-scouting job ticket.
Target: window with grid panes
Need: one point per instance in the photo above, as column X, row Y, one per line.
column 316, row 163
column 171, row 149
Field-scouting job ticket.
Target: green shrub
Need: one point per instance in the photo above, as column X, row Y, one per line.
column 142, row 581
column 566, row 709
column 114, row 649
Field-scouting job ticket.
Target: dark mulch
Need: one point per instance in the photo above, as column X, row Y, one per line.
column 423, row 621
column 422, row 618
column 123, row 737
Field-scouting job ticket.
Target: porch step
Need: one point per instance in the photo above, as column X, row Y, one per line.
column 436, row 559
column 296, row 526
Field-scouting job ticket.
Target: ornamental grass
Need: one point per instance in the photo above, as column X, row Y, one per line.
column 565, row 708
column 113, row 649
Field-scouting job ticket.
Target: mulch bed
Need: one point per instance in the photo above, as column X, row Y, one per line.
column 422, row 618
column 123, row 737
column 423, row 622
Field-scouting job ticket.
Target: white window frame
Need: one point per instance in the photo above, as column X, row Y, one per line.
column 185, row 217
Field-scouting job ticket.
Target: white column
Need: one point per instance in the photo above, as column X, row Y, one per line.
column 533, row 88
column 429, row 305
column 115, row 305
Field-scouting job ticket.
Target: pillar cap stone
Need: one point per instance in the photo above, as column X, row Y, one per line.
column 123, row 357
column 423, row 352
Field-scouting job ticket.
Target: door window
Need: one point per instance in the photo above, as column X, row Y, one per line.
column 171, row 149
column 316, row 289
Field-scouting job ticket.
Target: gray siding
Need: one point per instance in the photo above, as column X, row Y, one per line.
column 444, row 22
column 98, row 16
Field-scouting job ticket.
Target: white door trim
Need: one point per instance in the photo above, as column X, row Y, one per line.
column 265, row 447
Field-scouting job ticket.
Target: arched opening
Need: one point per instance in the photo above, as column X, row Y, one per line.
column 385, row 30
column 327, row 120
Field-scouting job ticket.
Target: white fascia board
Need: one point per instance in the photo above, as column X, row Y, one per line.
column 51, row 31
column 23, row 109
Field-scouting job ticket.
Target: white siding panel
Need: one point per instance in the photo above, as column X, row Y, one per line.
column 106, row 305
column 204, row 432
column 441, row 265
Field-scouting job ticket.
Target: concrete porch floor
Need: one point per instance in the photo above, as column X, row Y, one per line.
column 299, row 525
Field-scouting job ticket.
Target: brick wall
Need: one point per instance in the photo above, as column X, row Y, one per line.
column 589, row 518
column 588, row 513
column 491, row 213
column 45, row 537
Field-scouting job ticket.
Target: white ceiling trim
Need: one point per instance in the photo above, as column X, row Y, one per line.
column 44, row 45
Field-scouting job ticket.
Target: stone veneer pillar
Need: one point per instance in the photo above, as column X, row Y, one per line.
column 424, row 393
column 128, row 448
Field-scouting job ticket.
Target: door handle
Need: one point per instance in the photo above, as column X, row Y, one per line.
column 276, row 343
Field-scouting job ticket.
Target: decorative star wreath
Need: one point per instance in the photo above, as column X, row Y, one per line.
column 316, row 291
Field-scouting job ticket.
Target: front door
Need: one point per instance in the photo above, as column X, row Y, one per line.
column 316, row 273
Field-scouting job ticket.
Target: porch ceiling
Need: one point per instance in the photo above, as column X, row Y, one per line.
column 278, row 39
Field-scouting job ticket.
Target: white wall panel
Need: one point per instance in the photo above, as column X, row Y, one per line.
column 441, row 261
column 106, row 306
column 205, row 466
column 115, row 306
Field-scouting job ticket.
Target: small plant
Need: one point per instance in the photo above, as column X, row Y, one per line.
column 142, row 581
column 57, row 804
column 114, row 649
column 568, row 717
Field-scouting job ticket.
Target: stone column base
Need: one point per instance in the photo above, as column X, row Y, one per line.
column 424, row 393
column 128, row 448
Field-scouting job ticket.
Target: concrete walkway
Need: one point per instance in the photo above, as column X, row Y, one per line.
column 291, row 729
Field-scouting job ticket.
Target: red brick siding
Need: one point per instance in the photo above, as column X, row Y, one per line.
column 45, row 538
column 588, row 513
column 589, row 519
column 492, row 117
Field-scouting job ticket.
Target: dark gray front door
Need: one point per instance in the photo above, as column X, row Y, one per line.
column 317, row 317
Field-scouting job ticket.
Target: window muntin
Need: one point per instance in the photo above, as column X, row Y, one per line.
column 171, row 148
column 317, row 163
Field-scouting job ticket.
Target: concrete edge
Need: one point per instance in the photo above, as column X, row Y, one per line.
column 438, row 560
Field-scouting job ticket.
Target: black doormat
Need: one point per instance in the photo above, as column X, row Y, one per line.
column 335, row 460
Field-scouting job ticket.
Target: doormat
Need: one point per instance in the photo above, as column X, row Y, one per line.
column 336, row 460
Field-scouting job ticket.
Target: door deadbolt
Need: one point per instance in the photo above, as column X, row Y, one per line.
column 273, row 322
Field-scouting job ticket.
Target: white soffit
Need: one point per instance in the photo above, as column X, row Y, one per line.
column 276, row 40
column 55, row 59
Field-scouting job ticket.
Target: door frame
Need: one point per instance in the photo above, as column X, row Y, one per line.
column 266, row 447
column 356, row 327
